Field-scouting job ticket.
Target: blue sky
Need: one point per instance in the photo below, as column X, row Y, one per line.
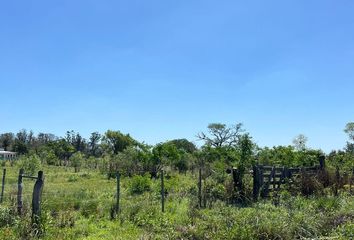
column 161, row 70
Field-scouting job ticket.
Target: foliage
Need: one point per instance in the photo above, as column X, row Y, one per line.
column 140, row 184
column 349, row 129
column 220, row 135
column 77, row 160
column 300, row 142
column 115, row 141
column 288, row 156
column 48, row 156
column 6, row 140
column 184, row 145
column 30, row 164
column 80, row 209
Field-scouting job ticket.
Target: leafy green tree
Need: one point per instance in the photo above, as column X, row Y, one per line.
column 92, row 162
column 48, row 156
column 115, row 141
column 76, row 140
column 45, row 138
column 349, row 129
column 93, row 145
column 30, row 163
column 62, row 149
column 79, row 143
column 287, row 156
column 129, row 161
column 6, row 140
column 184, row 144
column 77, row 160
column 246, row 148
column 163, row 154
column 21, row 142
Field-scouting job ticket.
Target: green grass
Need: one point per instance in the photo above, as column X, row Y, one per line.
column 78, row 205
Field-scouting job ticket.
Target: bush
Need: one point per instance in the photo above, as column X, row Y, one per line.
column 73, row 178
column 76, row 160
column 30, row 164
column 140, row 184
column 7, row 217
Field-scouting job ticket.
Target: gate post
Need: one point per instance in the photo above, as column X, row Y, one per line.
column 322, row 160
column 162, row 192
column 118, row 193
column 3, row 185
column 256, row 182
column 200, row 188
column 36, row 199
column 19, row 192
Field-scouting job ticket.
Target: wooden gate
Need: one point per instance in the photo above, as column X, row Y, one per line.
column 270, row 178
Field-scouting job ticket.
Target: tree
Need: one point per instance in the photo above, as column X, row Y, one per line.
column 79, row 143
column 116, row 142
column 29, row 163
column 21, row 142
column 48, row 156
column 62, row 149
column 6, row 140
column 246, row 148
column 183, row 144
column 77, row 160
column 163, row 154
column 300, row 142
column 220, row 135
column 76, row 140
column 94, row 148
column 349, row 129
column 44, row 138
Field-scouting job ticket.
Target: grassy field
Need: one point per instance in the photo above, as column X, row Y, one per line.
column 78, row 206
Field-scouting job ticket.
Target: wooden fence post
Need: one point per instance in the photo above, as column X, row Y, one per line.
column 19, row 192
column 3, row 185
column 256, row 182
column 200, row 188
column 118, row 193
column 162, row 192
column 338, row 181
column 322, row 160
column 351, row 180
column 273, row 178
column 36, row 199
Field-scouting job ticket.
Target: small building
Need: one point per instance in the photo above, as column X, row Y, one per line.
column 7, row 155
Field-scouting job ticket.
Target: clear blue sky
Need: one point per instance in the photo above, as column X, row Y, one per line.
column 165, row 69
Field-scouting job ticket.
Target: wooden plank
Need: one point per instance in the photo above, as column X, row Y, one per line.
column 277, row 175
column 19, row 192
column 3, row 185
column 200, row 188
column 162, row 192
column 36, row 199
column 270, row 168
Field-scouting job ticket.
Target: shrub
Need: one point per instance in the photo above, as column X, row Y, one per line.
column 30, row 164
column 72, row 178
column 76, row 161
column 89, row 207
column 140, row 184
column 6, row 217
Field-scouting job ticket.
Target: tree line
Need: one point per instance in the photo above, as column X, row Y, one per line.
column 223, row 146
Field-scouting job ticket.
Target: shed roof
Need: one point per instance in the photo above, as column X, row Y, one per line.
column 7, row 152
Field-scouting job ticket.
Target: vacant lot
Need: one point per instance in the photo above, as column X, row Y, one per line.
column 79, row 206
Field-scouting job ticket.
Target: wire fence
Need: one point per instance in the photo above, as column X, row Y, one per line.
column 73, row 191
column 77, row 191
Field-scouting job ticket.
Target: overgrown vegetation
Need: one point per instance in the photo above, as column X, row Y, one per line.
column 80, row 188
column 80, row 209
